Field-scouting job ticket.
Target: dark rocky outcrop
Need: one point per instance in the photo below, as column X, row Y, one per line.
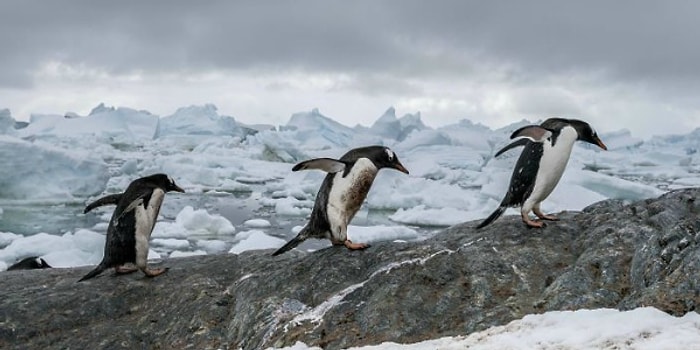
column 611, row 255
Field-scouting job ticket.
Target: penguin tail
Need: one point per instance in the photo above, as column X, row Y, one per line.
column 291, row 244
column 495, row 215
column 98, row 270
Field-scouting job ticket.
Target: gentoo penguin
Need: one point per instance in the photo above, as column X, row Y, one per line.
column 132, row 223
column 541, row 165
column 342, row 193
column 29, row 263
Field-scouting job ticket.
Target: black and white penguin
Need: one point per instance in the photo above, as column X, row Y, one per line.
column 541, row 165
column 132, row 223
column 342, row 193
column 30, row 263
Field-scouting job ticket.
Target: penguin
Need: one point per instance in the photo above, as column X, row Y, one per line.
column 342, row 192
column 30, row 263
column 541, row 165
column 112, row 199
column 132, row 223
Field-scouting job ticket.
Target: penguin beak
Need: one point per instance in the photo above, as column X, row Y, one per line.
column 177, row 188
column 599, row 142
column 398, row 166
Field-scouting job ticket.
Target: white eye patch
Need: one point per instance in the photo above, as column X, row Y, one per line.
column 389, row 154
column 171, row 180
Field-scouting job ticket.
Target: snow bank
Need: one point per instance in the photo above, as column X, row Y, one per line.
column 643, row 328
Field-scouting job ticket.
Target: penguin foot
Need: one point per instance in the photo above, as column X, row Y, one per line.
column 355, row 246
column 544, row 216
column 155, row 272
column 122, row 270
column 532, row 223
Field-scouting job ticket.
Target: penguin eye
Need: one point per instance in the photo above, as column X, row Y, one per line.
column 390, row 154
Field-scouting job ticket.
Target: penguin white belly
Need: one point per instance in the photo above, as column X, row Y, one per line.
column 551, row 167
column 146, row 216
column 346, row 196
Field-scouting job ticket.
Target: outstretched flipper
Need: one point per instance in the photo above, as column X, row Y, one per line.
column 495, row 215
column 530, row 133
column 328, row 165
column 112, row 199
column 98, row 270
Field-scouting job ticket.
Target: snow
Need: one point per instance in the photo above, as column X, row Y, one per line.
column 420, row 215
column 253, row 240
column 67, row 159
column 257, row 223
column 642, row 328
column 242, row 195
column 191, row 222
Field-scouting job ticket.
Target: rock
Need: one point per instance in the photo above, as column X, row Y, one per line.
column 610, row 255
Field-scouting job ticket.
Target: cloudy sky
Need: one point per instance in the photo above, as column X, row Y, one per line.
column 616, row 64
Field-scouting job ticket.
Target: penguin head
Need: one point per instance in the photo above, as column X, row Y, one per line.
column 386, row 158
column 165, row 182
column 586, row 133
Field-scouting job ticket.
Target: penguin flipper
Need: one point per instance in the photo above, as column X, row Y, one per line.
column 516, row 143
column 328, row 165
column 106, row 200
column 521, row 137
column 495, row 215
column 96, row 271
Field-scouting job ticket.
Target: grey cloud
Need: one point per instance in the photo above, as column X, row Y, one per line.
column 649, row 42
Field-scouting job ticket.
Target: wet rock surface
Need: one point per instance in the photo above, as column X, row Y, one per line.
column 610, row 255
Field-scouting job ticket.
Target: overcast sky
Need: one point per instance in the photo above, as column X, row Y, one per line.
column 616, row 64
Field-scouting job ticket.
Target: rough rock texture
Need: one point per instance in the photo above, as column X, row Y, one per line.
column 610, row 255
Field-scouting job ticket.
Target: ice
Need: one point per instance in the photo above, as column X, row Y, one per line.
column 290, row 206
column 7, row 123
column 7, row 237
column 388, row 126
column 255, row 239
column 84, row 247
column 108, row 124
column 35, row 170
column 364, row 234
column 642, row 328
column 199, row 120
column 171, row 243
column 212, row 246
column 257, row 223
column 318, row 131
column 182, row 254
column 190, row 222
column 245, row 172
column 420, row 215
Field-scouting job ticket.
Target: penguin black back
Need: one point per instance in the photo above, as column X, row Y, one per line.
column 121, row 241
column 346, row 185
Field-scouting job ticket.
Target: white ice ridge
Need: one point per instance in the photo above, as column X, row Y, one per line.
column 316, row 314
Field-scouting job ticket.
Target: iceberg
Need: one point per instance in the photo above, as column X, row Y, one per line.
column 35, row 170
column 107, row 124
